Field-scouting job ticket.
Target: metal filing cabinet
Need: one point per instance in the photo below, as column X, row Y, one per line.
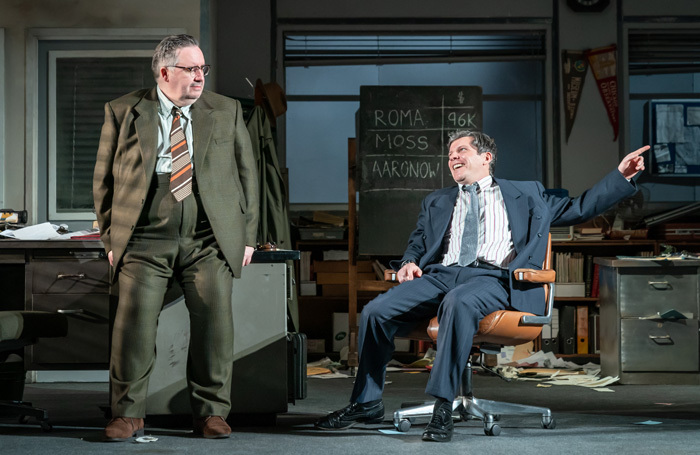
column 649, row 321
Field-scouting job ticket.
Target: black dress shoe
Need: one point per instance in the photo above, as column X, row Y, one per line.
column 350, row 415
column 440, row 427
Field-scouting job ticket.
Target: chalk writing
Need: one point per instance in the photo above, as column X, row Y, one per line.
column 398, row 117
column 405, row 169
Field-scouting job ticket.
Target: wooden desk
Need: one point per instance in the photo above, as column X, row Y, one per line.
column 72, row 277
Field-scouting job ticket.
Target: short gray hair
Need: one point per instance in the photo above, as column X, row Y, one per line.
column 166, row 51
column 482, row 141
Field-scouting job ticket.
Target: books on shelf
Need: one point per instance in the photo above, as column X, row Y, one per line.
column 570, row 289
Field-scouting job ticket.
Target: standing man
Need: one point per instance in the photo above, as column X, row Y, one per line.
column 176, row 200
column 460, row 267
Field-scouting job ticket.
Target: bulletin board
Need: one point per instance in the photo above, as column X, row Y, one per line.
column 675, row 137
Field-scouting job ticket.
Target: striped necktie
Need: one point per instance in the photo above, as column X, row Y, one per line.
column 470, row 236
column 181, row 173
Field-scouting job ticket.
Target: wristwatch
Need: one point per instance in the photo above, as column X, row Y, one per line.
column 407, row 261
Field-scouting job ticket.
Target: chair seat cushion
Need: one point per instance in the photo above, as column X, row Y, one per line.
column 31, row 324
column 502, row 327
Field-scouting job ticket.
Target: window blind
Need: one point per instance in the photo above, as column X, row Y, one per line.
column 308, row 50
column 83, row 86
column 664, row 51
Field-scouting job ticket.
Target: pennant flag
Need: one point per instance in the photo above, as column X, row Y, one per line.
column 602, row 62
column 574, row 70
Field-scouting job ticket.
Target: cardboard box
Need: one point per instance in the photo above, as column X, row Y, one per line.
column 340, row 266
column 341, row 331
column 311, row 233
column 334, row 290
column 341, row 278
column 570, row 289
column 402, row 345
column 681, row 231
column 316, row 346
column 307, row 288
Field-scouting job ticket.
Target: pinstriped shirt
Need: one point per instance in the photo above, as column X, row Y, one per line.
column 495, row 240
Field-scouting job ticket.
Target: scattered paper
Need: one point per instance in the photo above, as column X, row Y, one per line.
column 313, row 371
column 584, row 380
column 43, row 231
column 393, row 432
column 330, row 376
column 142, row 439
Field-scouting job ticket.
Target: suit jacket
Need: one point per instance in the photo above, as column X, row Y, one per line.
column 530, row 213
column 224, row 167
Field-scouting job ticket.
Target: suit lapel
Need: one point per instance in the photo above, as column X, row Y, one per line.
column 202, row 127
column 518, row 213
column 146, row 123
column 441, row 212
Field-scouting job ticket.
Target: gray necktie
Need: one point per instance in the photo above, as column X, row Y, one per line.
column 470, row 236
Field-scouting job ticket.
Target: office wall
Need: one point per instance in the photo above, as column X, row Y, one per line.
column 243, row 46
column 590, row 151
column 17, row 18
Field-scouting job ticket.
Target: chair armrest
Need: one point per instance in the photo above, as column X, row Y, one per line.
column 535, row 276
column 390, row 275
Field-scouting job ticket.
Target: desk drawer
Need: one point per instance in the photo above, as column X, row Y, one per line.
column 87, row 341
column 646, row 293
column 659, row 346
column 70, row 276
column 11, row 256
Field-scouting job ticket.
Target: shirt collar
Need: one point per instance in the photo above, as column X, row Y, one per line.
column 483, row 183
column 165, row 106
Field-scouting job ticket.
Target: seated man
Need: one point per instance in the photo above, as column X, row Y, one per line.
column 459, row 265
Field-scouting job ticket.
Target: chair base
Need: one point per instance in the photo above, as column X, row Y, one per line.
column 23, row 410
column 471, row 408
column 468, row 407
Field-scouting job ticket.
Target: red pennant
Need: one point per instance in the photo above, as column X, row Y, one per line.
column 603, row 64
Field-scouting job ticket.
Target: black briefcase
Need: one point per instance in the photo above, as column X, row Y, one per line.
column 296, row 367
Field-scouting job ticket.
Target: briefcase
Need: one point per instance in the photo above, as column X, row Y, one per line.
column 296, row 367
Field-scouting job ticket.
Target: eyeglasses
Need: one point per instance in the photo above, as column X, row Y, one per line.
column 193, row 69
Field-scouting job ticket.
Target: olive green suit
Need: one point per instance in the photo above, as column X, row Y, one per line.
column 132, row 205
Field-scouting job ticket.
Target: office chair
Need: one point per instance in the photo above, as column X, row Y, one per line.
column 19, row 329
column 498, row 329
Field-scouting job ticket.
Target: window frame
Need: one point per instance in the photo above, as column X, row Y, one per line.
column 34, row 155
column 3, row 77
column 550, row 159
column 53, row 212
column 657, row 189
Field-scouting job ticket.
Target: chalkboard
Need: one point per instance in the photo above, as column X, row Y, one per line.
column 403, row 134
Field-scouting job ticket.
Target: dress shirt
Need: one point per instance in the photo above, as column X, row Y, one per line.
column 164, row 162
column 495, row 240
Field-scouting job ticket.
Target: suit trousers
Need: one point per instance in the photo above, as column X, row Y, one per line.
column 460, row 297
column 173, row 241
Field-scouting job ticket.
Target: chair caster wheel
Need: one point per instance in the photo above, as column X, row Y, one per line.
column 493, row 430
column 403, row 425
column 549, row 423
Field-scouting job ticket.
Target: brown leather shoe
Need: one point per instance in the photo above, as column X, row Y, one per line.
column 122, row 428
column 212, row 427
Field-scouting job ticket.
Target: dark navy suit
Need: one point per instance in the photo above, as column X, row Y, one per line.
column 462, row 296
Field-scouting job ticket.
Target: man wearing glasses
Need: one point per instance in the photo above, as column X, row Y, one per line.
column 175, row 192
